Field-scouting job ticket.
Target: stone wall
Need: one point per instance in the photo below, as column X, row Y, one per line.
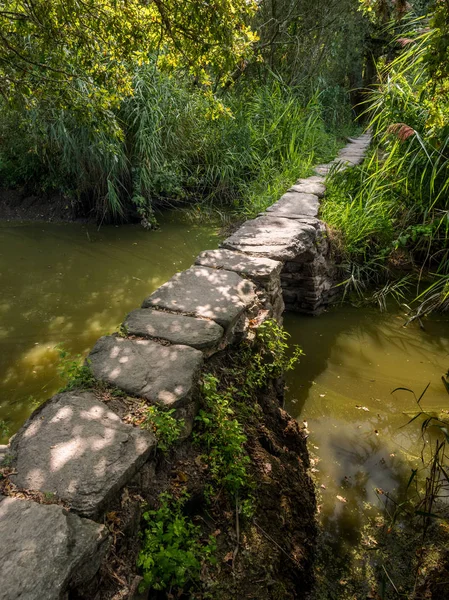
column 80, row 452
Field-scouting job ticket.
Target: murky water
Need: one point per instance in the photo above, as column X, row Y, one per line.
column 68, row 284
column 342, row 389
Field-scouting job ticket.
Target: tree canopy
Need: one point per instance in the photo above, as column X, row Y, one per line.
column 48, row 46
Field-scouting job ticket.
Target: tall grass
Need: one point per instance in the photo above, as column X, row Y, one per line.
column 169, row 143
column 394, row 211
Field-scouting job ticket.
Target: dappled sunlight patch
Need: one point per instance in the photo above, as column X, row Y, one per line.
column 79, row 450
column 163, row 374
column 204, row 292
column 61, row 325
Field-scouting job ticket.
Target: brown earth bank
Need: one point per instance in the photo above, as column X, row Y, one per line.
column 19, row 205
column 266, row 557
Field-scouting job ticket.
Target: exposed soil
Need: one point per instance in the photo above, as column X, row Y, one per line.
column 18, row 205
column 274, row 554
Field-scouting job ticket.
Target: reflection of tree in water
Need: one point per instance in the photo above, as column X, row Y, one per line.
column 62, row 286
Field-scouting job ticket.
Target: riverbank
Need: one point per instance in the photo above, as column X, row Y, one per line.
column 154, row 382
column 266, row 555
column 18, row 205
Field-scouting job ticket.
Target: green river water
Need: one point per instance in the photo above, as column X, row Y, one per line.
column 359, row 441
column 68, row 284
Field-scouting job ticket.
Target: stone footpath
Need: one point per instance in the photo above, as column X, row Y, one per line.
column 76, row 451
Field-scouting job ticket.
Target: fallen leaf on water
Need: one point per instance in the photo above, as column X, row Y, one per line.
column 341, row 499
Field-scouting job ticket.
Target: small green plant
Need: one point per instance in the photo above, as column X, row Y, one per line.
column 4, row 429
column 164, row 425
column 266, row 359
column 122, row 331
column 74, row 372
column 173, row 552
column 271, row 358
column 223, row 437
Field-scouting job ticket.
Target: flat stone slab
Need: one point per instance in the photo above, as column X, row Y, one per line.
column 323, row 169
column 260, row 270
column 165, row 375
column 351, row 152
column 203, row 292
column 364, row 139
column 311, row 179
column 176, row 329
column 295, row 204
column 4, row 450
column 275, row 237
column 349, row 160
column 44, row 550
column 317, row 189
column 76, row 448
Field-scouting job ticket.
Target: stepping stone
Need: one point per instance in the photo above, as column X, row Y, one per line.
column 262, row 271
column 176, row 329
column 294, row 204
column 73, row 446
column 222, row 296
column 349, row 160
column 4, row 451
column 352, row 150
column 311, row 179
column 318, row 189
column 44, row 550
column 274, row 237
column 165, row 375
column 323, row 169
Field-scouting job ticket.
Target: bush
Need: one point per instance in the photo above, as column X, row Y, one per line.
column 168, row 142
column 172, row 552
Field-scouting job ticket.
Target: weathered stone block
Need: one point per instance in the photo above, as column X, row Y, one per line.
column 263, row 271
column 311, row 179
column 296, row 204
column 323, row 169
column 165, row 375
column 4, row 450
column 201, row 334
column 274, row 237
column 44, row 550
column 75, row 447
column 210, row 293
column 317, row 189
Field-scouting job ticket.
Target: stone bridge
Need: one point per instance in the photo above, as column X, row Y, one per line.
column 81, row 452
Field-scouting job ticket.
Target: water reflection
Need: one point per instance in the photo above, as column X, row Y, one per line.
column 67, row 284
column 342, row 390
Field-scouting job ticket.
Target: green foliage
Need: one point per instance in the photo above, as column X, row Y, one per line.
column 219, row 428
column 396, row 205
column 74, row 372
column 172, row 552
column 165, row 143
column 164, row 425
column 223, row 436
column 52, row 49
column 270, row 358
column 4, row 429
